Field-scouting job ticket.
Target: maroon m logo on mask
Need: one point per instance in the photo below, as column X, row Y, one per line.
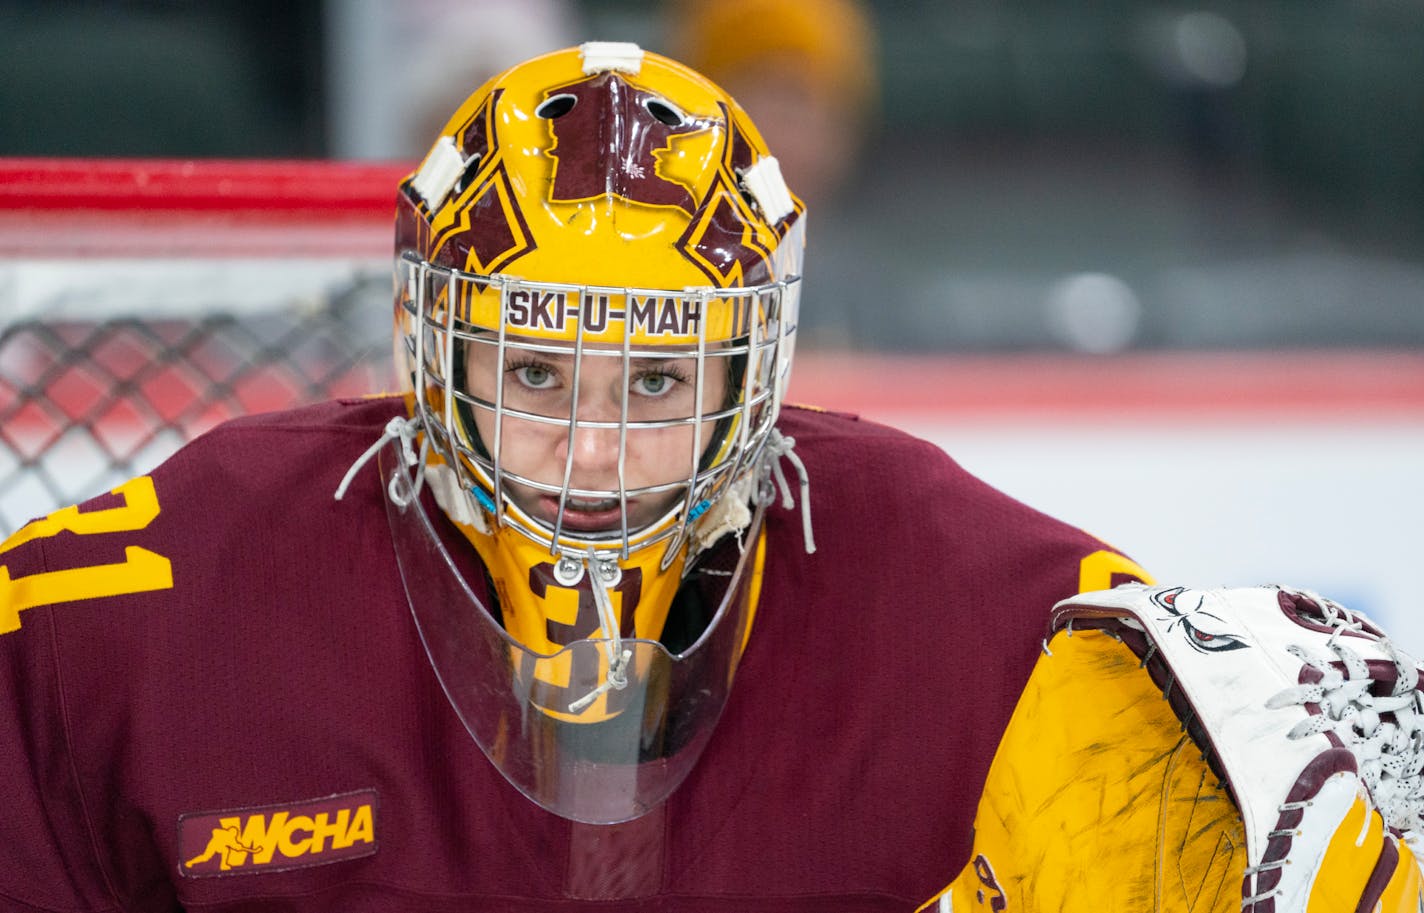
column 606, row 132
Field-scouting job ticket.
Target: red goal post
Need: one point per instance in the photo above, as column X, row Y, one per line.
column 144, row 301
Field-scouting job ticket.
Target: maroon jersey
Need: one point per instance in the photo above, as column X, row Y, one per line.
column 213, row 696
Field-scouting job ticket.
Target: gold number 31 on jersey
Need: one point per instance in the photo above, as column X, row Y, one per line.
column 141, row 570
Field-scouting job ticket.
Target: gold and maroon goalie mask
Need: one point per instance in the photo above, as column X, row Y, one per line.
column 597, row 286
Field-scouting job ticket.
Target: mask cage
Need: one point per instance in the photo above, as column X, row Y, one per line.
column 748, row 333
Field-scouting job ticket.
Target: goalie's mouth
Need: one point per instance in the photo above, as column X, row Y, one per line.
column 586, row 514
column 598, row 514
column 603, row 515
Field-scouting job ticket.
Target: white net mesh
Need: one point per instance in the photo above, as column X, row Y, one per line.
column 130, row 323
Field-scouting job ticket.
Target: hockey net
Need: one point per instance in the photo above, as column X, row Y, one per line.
column 143, row 302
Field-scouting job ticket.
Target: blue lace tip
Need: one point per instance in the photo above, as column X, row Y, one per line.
column 483, row 497
column 698, row 510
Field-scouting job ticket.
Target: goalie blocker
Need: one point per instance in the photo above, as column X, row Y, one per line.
column 1253, row 749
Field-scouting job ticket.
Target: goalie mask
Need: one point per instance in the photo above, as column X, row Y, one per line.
column 598, row 268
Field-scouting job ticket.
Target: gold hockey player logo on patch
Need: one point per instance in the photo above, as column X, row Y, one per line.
column 276, row 838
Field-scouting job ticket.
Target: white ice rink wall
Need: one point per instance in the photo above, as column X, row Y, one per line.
column 1299, row 468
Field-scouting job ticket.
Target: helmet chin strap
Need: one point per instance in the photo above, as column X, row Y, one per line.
column 778, row 446
column 603, row 573
column 406, row 430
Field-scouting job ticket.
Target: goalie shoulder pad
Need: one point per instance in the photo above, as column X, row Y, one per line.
column 1311, row 717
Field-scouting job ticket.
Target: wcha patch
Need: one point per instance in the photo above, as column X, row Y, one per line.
column 277, row 838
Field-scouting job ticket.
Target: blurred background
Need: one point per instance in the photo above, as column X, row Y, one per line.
column 1009, row 174
column 1157, row 268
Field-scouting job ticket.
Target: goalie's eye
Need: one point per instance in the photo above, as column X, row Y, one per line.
column 1208, row 641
